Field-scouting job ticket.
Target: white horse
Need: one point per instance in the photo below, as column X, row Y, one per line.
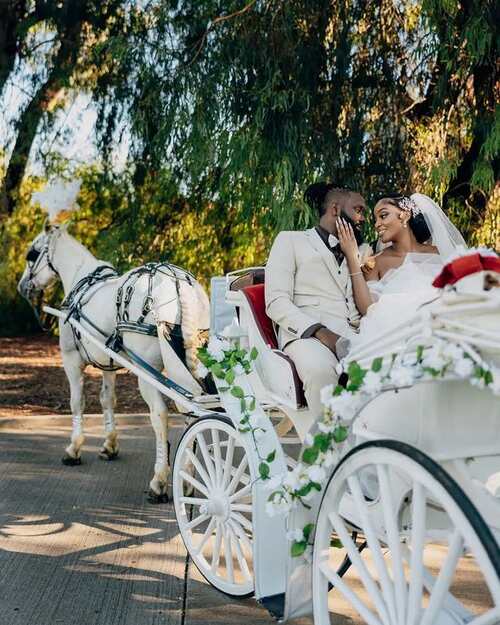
column 164, row 300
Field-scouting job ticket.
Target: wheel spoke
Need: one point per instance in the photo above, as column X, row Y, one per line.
column 206, row 536
column 356, row 559
column 200, row 439
column 228, row 463
column 243, row 521
column 243, row 492
column 349, row 594
column 228, row 555
column 374, row 545
column 217, row 547
column 417, row 549
column 240, row 532
column 393, row 541
column 195, row 522
column 444, row 578
column 237, row 475
column 217, row 455
column 239, row 555
column 241, row 507
column 195, row 501
column 199, row 467
column 194, row 482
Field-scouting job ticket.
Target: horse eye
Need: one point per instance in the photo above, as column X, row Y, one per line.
column 32, row 255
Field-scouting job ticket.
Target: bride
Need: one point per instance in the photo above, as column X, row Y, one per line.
column 417, row 239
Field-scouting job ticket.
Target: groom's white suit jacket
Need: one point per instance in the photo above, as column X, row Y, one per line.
column 305, row 285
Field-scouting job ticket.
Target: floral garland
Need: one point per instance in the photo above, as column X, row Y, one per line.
column 225, row 361
column 342, row 403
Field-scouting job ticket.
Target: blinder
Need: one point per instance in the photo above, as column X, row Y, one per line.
column 32, row 255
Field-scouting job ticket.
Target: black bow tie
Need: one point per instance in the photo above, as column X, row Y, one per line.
column 338, row 253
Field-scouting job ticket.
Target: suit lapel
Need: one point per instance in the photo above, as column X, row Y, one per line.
column 338, row 273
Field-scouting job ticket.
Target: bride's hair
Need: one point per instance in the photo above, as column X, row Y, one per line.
column 416, row 222
column 320, row 194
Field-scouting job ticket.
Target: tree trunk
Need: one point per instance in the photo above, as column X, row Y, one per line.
column 28, row 123
column 13, row 13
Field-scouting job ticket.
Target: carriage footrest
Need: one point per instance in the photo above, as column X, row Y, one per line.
column 275, row 605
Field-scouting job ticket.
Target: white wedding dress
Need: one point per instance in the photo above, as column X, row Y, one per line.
column 401, row 291
column 398, row 295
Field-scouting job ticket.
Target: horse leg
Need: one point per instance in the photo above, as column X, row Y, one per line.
column 74, row 366
column 109, row 450
column 159, row 420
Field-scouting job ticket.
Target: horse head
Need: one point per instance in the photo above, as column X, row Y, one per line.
column 40, row 272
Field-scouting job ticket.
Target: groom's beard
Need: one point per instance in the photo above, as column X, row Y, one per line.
column 356, row 228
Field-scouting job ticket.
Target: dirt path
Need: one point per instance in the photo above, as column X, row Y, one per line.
column 32, row 381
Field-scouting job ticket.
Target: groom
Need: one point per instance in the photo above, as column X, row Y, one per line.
column 309, row 290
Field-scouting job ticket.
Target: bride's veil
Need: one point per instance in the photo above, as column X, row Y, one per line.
column 445, row 236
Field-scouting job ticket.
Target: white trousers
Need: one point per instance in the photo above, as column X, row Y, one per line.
column 315, row 365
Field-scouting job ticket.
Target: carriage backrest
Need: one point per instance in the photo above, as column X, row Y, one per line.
column 255, row 297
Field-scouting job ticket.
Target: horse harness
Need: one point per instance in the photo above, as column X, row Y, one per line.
column 76, row 298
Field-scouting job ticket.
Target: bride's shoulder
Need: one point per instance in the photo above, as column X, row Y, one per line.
column 427, row 248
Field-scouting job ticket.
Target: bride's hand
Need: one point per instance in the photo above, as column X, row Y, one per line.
column 347, row 240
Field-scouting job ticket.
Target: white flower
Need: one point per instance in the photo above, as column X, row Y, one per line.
column 344, row 405
column 326, row 394
column 296, row 478
column 329, row 458
column 278, row 505
column 238, row 369
column 464, row 367
column 316, row 474
column 434, row 359
column 201, row 370
column 259, row 433
column 453, row 351
column 309, row 439
column 372, row 383
column 216, row 348
column 402, row 376
column 296, row 535
column 326, row 426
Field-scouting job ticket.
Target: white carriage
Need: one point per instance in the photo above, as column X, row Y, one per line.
column 417, row 481
column 409, row 499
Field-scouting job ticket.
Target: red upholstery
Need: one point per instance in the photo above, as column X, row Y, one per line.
column 256, row 299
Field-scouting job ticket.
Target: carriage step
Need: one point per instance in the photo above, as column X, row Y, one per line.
column 275, row 605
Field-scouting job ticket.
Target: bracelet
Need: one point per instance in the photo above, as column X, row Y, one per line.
column 356, row 273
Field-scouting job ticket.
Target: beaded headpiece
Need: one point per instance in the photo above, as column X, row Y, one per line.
column 408, row 205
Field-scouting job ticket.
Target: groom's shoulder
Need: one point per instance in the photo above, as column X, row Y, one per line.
column 292, row 234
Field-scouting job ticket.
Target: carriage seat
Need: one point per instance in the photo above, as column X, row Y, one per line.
column 276, row 370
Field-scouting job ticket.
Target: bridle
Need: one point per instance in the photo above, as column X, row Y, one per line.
column 35, row 259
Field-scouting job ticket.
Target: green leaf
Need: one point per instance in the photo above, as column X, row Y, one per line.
column 338, row 390
column 271, row 456
column 488, row 377
column 308, row 529
column 230, row 376
column 251, row 404
column 336, row 543
column 264, row 470
column 356, row 373
column 340, row 433
column 218, row 371
column 305, row 490
column 322, row 441
column 420, row 352
column 237, row 391
column 298, row 549
column 377, row 364
column 310, row 455
column 254, row 353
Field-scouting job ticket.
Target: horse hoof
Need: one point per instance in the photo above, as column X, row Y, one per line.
column 69, row 461
column 104, row 454
column 155, row 498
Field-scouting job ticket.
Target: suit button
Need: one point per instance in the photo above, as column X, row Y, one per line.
column 339, row 272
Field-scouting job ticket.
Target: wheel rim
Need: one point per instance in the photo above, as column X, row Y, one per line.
column 416, row 536
column 215, row 518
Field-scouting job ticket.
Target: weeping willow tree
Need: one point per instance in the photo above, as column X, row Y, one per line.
column 249, row 102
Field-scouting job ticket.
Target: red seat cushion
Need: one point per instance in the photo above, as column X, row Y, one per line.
column 256, row 298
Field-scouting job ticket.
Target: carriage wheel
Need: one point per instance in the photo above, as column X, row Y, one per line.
column 212, row 489
column 420, row 528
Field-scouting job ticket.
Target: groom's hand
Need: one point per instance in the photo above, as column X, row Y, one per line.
column 327, row 337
